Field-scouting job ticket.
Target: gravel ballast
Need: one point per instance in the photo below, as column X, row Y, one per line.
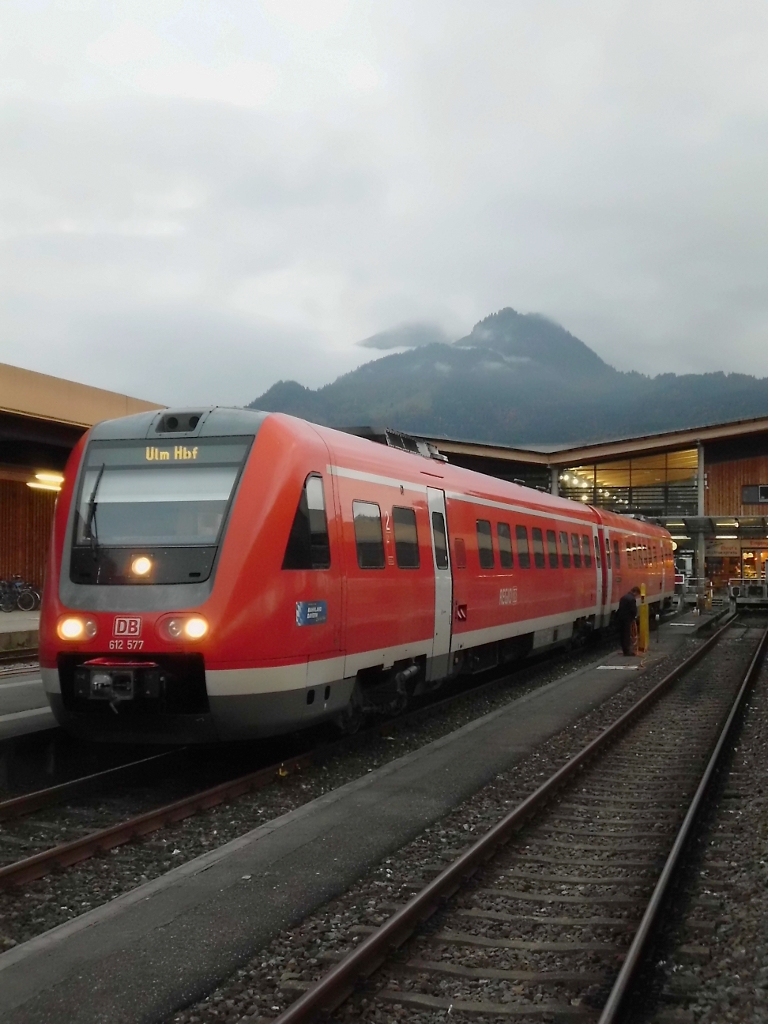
column 261, row 989
column 711, row 966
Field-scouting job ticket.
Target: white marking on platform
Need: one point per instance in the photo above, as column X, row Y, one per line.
column 620, row 668
column 15, row 716
column 681, row 623
column 26, row 682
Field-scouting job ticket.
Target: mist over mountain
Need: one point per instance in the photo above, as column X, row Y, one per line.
column 515, row 379
column 406, row 336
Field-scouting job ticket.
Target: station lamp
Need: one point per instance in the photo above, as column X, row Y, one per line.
column 46, row 481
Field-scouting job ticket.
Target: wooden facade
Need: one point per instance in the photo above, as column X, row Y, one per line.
column 26, row 517
column 725, row 481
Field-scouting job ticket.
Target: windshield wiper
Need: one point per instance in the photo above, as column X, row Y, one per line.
column 91, row 529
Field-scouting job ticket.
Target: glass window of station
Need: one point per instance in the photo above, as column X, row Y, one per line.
column 655, row 485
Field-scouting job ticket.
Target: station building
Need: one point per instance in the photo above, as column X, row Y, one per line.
column 41, row 420
column 707, row 485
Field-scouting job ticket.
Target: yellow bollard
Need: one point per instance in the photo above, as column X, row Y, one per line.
column 644, row 630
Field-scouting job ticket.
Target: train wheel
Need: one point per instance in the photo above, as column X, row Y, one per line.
column 349, row 721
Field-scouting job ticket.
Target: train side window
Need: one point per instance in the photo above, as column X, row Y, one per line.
column 406, row 537
column 587, row 549
column 368, row 536
column 629, row 554
column 308, row 546
column 576, row 549
column 485, row 544
column 607, row 552
column 565, row 551
column 538, row 548
column 616, row 555
column 441, row 541
column 459, row 553
column 552, row 549
column 523, row 555
column 504, row 537
column 597, row 552
column 655, row 556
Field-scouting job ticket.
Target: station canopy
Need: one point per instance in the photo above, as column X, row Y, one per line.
column 42, row 419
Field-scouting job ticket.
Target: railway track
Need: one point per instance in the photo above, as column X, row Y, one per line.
column 547, row 916
column 18, row 660
column 18, row 654
column 710, row 962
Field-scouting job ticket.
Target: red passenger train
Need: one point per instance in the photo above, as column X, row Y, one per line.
column 227, row 574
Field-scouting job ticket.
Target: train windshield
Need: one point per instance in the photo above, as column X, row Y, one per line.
column 157, row 495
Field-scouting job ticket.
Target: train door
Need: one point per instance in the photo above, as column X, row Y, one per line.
column 441, row 644
column 603, row 577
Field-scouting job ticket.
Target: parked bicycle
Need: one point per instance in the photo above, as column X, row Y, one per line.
column 18, row 595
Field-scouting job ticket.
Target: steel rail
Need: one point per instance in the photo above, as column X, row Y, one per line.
column 634, row 957
column 20, row 654
column 106, row 839
column 26, row 803
column 335, row 986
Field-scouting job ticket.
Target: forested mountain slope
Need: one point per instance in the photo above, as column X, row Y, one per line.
column 518, row 379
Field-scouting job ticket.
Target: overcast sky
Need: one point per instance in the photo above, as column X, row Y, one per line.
column 201, row 197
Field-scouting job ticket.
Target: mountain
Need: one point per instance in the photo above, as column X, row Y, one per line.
column 517, row 379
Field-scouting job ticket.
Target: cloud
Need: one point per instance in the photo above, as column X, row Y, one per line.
column 200, row 199
column 407, row 336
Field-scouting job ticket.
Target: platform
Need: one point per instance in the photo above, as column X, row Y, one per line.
column 23, row 705
column 18, row 630
column 168, row 942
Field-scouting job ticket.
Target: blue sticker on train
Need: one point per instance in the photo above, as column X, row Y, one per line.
column 311, row 613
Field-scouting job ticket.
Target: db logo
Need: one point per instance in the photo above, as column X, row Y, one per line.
column 126, row 625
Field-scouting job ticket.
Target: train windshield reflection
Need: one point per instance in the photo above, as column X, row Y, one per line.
column 125, row 504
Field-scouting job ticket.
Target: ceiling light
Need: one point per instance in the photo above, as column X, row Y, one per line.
column 37, row 486
column 50, row 478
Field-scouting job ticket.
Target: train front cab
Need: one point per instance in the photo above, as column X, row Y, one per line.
column 156, row 528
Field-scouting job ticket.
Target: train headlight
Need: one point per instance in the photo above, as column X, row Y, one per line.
column 75, row 627
column 183, row 627
column 195, row 628
column 141, row 565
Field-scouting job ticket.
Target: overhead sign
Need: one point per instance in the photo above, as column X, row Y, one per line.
column 724, row 548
